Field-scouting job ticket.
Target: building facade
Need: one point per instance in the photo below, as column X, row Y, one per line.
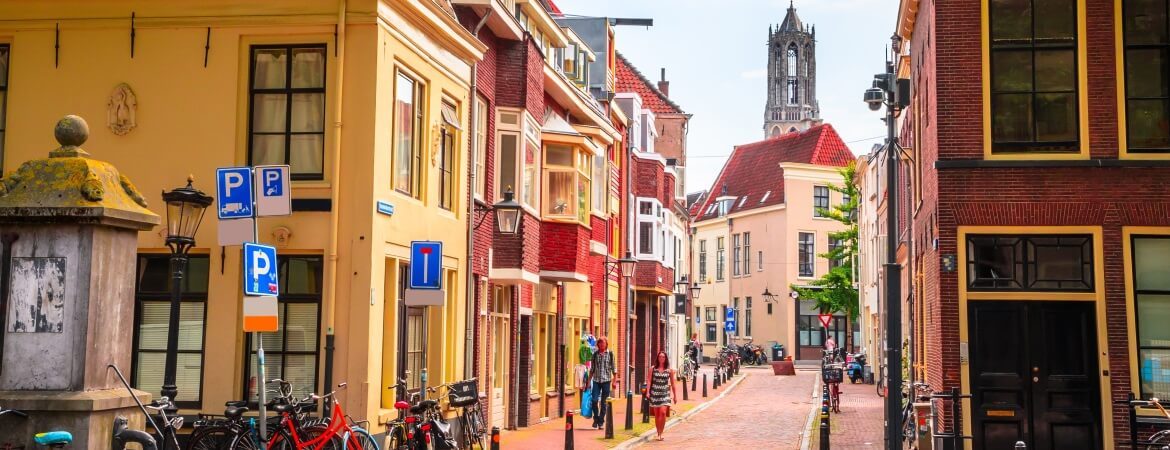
column 1037, row 198
column 365, row 100
column 762, row 232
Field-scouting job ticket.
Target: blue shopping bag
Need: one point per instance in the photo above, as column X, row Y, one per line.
column 587, row 403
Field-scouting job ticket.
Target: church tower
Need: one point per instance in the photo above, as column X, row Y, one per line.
column 792, row 77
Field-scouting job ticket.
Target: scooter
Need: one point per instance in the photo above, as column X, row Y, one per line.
column 855, row 367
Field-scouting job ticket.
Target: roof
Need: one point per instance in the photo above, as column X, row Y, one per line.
column 552, row 8
column 694, row 201
column 752, row 174
column 629, row 79
column 791, row 20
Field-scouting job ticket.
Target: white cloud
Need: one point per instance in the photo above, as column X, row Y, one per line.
column 753, row 74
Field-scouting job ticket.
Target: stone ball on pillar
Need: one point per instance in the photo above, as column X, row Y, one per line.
column 71, row 131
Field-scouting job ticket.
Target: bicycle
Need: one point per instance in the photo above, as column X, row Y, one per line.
column 400, row 432
column 51, row 439
column 1160, row 440
column 832, row 375
column 167, row 436
column 465, row 396
column 688, row 370
column 914, row 392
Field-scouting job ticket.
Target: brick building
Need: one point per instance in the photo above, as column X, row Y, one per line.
column 1038, row 204
column 542, row 136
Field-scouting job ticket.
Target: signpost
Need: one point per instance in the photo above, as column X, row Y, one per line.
column 246, row 193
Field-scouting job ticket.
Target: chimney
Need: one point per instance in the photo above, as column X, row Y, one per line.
column 663, row 85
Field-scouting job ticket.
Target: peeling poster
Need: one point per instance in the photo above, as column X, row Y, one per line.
column 37, row 295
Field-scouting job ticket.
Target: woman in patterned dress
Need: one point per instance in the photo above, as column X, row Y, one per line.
column 661, row 392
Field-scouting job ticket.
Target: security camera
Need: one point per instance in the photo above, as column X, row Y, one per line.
column 874, row 97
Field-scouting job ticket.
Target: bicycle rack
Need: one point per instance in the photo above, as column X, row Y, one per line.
column 942, row 436
column 1155, row 424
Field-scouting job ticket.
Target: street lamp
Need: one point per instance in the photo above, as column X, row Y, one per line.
column 769, row 296
column 185, row 208
column 695, row 290
column 894, row 94
column 507, row 213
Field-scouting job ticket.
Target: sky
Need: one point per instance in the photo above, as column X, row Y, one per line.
column 715, row 55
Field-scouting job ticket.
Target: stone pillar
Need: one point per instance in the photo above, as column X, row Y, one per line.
column 68, row 238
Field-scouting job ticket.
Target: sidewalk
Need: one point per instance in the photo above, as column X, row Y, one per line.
column 551, row 434
column 860, row 423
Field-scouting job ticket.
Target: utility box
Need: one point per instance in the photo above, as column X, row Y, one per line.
column 68, row 241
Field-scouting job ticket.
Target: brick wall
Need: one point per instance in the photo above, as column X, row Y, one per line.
column 648, row 177
column 672, row 138
column 564, row 247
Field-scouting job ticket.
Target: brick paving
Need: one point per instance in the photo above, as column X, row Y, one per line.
column 763, row 411
column 860, row 423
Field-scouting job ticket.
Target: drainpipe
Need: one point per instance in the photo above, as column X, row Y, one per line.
column 334, row 194
column 470, row 369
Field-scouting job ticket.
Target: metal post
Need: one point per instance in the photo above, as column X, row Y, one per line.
column 609, row 418
column 825, row 433
column 684, row 389
column 495, row 438
column 704, row 385
column 645, row 404
column 893, row 278
column 694, row 380
column 178, row 265
column 629, row 410
column 569, row 430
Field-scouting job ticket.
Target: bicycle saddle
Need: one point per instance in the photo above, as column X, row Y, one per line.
column 236, row 404
column 233, row 412
column 422, row 406
column 401, row 404
column 283, row 408
column 53, row 438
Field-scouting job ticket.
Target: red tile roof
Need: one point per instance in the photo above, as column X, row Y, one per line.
column 552, row 8
column 629, row 79
column 752, row 174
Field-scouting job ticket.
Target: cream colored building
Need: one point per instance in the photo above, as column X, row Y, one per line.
column 758, row 231
column 366, row 99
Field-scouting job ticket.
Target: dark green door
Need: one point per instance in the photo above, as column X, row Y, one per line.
column 1034, row 375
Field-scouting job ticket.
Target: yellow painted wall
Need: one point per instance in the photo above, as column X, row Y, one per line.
column 192, row 119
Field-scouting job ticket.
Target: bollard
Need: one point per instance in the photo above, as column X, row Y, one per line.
column 684, row 389
column 495, row 438
column 645, row 404
column 569, row 430
column 694, row 380
column 629, row 410
column 825, row 434
column 715, row 383
column 609, row 418
column 704, row 385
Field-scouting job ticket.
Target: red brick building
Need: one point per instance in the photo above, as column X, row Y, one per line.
column 1039, row 205
column 542, row 136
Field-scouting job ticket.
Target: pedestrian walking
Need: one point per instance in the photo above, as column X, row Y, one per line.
column 662, row 392
column 601, row 374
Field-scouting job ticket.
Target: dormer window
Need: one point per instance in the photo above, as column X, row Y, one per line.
column 765, row 197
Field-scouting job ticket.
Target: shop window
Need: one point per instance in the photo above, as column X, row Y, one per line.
column 152, row 314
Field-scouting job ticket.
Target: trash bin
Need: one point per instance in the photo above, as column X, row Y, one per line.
column 777, row 352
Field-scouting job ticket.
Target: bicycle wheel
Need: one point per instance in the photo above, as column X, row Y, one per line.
column 396, row 437
column 1159, row 441
column 245, row 440
column 472, row 424
column 211, row 437
column 313, row 432
column 362, row 439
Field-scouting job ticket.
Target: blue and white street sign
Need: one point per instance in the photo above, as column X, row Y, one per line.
column 234, row 185
column 260, row 270
column 426, row 263
column 730, row 315
column 273, row 196
column 729, row 326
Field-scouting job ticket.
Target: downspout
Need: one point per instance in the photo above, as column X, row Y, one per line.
column 330, row 309
column 470, row 369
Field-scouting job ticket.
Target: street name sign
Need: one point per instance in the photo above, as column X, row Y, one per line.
column 260, row 270
column 234, row 186
column 426, row 263
column 273, row 196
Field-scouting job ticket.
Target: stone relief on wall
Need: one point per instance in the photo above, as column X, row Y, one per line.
column 121, row 110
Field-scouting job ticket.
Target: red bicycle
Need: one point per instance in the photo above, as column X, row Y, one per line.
column 294, row 433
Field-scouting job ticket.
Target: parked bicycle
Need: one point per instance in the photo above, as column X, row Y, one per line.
column 165, row 437
column 916, row 392
column 51, row 439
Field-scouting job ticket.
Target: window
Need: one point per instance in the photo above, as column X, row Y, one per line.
column 600, row 182
column 719, row 259
column 698, row 312
column 291, row 352
column 481, row 124
column 747, row 254
column 769, row 309
column 710, row 314
column 736, row 250
column 549, row 330
column 791, row 60
column 408, row 135
column 645, row 238
column 793, row 98
column 820, row 201
column 567, row 178
column 1151, row 280
column 1033, row 76
column 1030, row 263
column 703, row 260
column 747, row 317
column 651, row 236
column 449, row 140
column 810, row 331
column 287, row 95
column 529, row 164
column 807, row 251
column 835, row 244
column 152, row 314
column 4, row 51
column 711, row 336
column 760, row 260
column 1147, row 68
column 508, row 150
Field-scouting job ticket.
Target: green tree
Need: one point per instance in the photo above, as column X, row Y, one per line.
column 835, row 292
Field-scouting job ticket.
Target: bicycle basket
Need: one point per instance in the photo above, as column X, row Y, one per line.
column 463, row 393
column 832, row 375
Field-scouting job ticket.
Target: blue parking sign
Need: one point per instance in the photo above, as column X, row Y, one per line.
column 260, row 270
column 234, row 185
column 730, row 315
column 729, row 326
column 426, row 262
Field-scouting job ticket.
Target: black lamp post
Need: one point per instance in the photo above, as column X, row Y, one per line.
column 894, row 94
column 185, row 208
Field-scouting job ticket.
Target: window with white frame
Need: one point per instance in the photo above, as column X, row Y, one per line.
column 530, row 164
column 481, row 124
column 735, row 255
column 747, row 254
column 703, row 260
column 567, row 182
column 820, row 200
column 807, row 251
column 650, row 233
column 719, row 253
column 600, row 182
column 517, row 157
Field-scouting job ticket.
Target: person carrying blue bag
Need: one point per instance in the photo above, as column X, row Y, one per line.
column 584, row 356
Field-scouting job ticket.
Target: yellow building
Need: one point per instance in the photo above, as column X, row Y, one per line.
column 365, row 99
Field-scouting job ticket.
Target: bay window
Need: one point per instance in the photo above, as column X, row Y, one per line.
column 567, row 181
column 517, row 157
column 600, row 182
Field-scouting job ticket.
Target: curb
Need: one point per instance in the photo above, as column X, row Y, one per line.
column 646, row 436
column 806, row 435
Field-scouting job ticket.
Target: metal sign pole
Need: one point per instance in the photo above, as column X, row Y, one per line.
column 262, row 386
